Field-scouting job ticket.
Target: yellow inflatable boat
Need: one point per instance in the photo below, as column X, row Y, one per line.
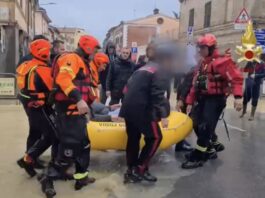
column 112, row 136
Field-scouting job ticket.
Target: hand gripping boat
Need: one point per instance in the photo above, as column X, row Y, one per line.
column 112, row 136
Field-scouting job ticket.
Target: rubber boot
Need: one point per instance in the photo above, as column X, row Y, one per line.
column 197, row 159
column 211, row 153
column 147, row 176
column 132, row 176
column 244, row 111
column 47, row 186
column 80, row 183
column 183, row 146
column 252, row 115
column 39, row 164
column 218, row 146
column 27, row 164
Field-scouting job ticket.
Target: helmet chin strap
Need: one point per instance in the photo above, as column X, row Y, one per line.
column 81, row 52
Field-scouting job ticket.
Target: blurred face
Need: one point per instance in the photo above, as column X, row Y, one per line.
column 59, row 48
column 102, row 67
column 150, row 53
column 111, row 50
column 203, row 51
column 125, row 53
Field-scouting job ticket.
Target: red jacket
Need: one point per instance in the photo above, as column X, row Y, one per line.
column 222, row 74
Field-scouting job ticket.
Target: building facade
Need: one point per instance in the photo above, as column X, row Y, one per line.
column 17, row 28
column 71, row 36
column 140, row 31
column 217, row 17
column 42, row 22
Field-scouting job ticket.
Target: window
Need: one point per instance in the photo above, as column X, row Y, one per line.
column 191, row 18
column 2, row 39
column 207, row 16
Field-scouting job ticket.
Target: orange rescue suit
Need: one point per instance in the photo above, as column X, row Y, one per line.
column 34, row 82
column 73, row 80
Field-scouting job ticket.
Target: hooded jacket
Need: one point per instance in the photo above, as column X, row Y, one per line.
column 104, row 74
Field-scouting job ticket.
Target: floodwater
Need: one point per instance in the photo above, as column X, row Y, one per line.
column 238, row 173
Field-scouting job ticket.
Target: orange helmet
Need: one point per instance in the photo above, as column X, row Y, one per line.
column 207, row 40
column 88, row 44
column 101, row 58
column 40, row 49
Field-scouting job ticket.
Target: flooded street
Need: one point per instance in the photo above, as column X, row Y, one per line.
column 237, row 173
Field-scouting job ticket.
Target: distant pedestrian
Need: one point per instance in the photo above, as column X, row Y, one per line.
column 119, row 73
column 57, row 49
column 111, row 52
column 256, row 72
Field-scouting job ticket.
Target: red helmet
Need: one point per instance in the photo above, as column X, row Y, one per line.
column 88, row 44
column 40, row 49
column 101, row 58
column 207, row 40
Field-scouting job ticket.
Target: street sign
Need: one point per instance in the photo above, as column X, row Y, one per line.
column 7, row 87
column 260, row 36
column 134, row 44
column 134, row 50
column 190, row 32
column 242, row 20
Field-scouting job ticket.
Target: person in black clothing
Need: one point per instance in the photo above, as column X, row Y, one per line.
column 57, row 49
column 141, row 62
column 144, row 105
column 119, row 73
column 183, row 89
column 111, row 52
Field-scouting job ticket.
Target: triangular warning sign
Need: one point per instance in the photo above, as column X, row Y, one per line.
column 243, row 17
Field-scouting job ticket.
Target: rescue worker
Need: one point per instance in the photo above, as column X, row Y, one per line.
column 256, row 72
column 97, row 65
column 28, row 57
column 148, row 85
column 35, row 83
column 209, row 90
column 72, row 102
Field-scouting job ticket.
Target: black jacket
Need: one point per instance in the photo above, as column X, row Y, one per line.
column 104, row 74
column 119, row 73
column 145, row 95
column 185, row 85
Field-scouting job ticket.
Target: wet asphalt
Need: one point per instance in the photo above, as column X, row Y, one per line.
column 237, row 173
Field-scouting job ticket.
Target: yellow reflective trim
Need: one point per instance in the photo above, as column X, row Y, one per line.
column 24, row 96
column 79, row 176
column 30, row 72
column 200, row 148
column 68, row 70
column 68, row 90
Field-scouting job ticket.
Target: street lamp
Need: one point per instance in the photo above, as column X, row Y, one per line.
column 51, row 3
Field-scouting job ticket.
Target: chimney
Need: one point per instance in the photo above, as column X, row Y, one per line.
column 156, row 11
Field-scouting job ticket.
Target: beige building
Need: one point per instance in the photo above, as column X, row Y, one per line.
column 42, row 21
column 217, row 17
column 140, row 31
column 17, row 27
column 71, row 36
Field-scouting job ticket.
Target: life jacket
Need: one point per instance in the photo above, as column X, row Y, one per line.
column 209, row 81
column 26, row 73
column 82, row 82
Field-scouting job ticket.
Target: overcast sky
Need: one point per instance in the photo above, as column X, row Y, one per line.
column 98, row 16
